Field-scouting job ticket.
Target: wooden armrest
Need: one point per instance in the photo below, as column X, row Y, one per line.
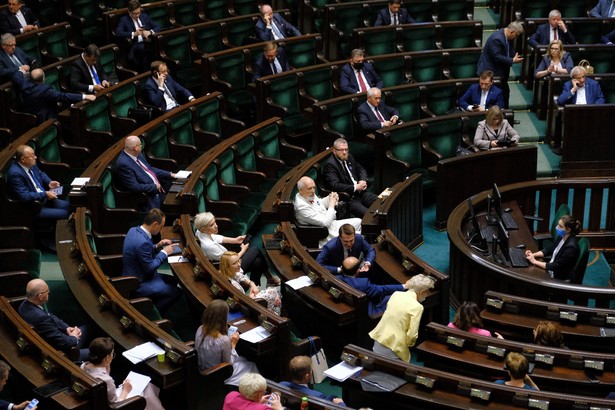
column 125, row 285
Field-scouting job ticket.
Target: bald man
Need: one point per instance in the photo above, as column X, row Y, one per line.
column 50, row 327
column 133, row 173
column 271, row 26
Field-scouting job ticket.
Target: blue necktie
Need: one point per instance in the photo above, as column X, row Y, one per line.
column 96, row 79
column 35, row 179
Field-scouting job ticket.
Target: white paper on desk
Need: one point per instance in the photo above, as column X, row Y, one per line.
column 58, row 191
column 142, row 352
column 139, row 383
column 182, row 174
column 342, row 371
column 300, row 282
column 77, row 182
column 177, row 259
column 255, row 335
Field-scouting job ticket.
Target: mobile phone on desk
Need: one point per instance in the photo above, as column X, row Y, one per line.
column 247, row 239
column 33, row 404
column 231, row 330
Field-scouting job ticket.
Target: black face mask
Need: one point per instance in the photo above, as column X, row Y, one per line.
column 358, row 66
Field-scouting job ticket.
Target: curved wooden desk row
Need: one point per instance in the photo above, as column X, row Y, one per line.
column 39, row 364
column 472, row 274
column 556, row 369
column 427, row 388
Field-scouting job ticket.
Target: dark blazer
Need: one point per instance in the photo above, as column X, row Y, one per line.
column 306, row 391
column 126, row 27
column 41, row 99
column 593, row 93
column 336, row 178
column 602, row 9
column 609, row 38
column 378, row 295
column 265, row 34
column 368, row 120
column 348, row 80
column 4, row 405
column 131, row 177
column 8, row 67
column 48, row 326
column 142, row 259
column 10, row 24
column 155, row 96
column 80, row 77
column 566, row 257
column 262, row 68
column 543, row 33
column 331, row 255
column 20, row 186
column 546, row 62
column 384, row 17
column 497, row 55
column 472, row 96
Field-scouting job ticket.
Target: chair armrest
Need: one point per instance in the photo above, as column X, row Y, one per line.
column 16, row 237
column 125, row 285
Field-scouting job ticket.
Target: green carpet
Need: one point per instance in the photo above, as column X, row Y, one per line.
column 548, row 162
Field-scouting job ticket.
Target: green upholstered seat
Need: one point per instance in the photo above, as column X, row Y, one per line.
column 55, row 43
column 421, row 10
column 284, row 91
column 427, row 67
column 207, row 38
column 535, row 9
column 180, row 128
column 441, row 99
column 345, row 20
column 231, row 69
column 444, row 137
column 86, row 20
column 573, row 8
column 463, row 64
column 186, row 13
column 160, row 14
column 97, row 114
column 31, row 46
column 176, row 46
column 318, row 83
column 458, row 36
column 303, row 52
column 238, row 30
column 272, row 148
column 123, row 99
column 578, row 272
column 392, row 70
column 453, row 10
column 228, row 175
column 408, row 102
column 243, row 7
column 419, row 37
column 216, row 9
column 378, row 42
column 246, row 159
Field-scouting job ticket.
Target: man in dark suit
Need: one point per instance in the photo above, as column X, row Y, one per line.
column 604, row 9
column 271, row 26
column 341, row 173
column 348, row 243
column 16, row 19
column 272, row 61
column 357, row 76
column 580, row 90
column 136, row 27
column 555, row 29
column 133, row 173
column 13, row 58
column 42, row 99
column 26, row 182
column 162, row 90
column 499, row 55
column 300, row 369
column 141, row 258
column 50, row 327
column 86, row 75
column 482, row 96
column 4, row 376
column 377, row 295
column 609, row 38
column 393, row 15
column 374, row 114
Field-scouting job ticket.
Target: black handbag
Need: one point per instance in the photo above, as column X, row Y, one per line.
column 142, row 115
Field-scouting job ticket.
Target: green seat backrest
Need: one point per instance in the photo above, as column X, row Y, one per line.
column 427, row 68
column 186, row 13
column 52, row 78
column 124, row 98
column 208, row 38
column 177, row 47
column 180, row 127
column 231, row 68
column 107, row 61
column 226, row 167
column 561, row 211
column 573, row 8
column 97, row 113
column 158, row 142
column 452, row 10
column 47, row 147
column 160, row 14
column 535, row 9
column 341, row 118
column 216, row 9
column 284, row 92
column 349, row 18
column 92, row 243
column 608, row 89
column 419, row 37
column 237, row 31
column 268, row 141
column 472, row 125
column 243, row 7
column 107, row 189
column 578, row 272
column 301, row 53
column 408, row 103
column 33, row 262
column 30, row 45
column 603, row 61
column 87, row 9
column 245, row 153
column 211, row 183
column 420, row 10
column 405, row 144
column 463, row 65
column 379, row 42
column 208, row 116
column 199, row 190
column 88, row 222
column 445, row 136
column 391, row 70
column 319, row 83
column 458, row 36
column 441, row 99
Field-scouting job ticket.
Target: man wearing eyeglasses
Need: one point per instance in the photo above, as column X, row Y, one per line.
column 13, row 58
column 54, row 330
column 136, row 26
column 16, row 19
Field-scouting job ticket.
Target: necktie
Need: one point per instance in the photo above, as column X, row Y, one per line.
column 96, row 79
column 149, row 171
column 15, row 60
column 611, row 10
column 555, row 33
column 137, row 24
column 346, row 253
column 380, row 118
column 362, row 85
column 273, row 69
column 278, row 34
column 349, row 172
column 37, row 185
column 394, row 19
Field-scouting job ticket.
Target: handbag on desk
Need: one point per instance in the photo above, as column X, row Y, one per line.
column 319, row 363
column 588, row 68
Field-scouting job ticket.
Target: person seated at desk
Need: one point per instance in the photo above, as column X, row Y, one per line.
column 495, row 132
column 252, row 259
column 603, row 9
column 580, row 90
column 375, row 114
column 357, row 76
column 300, row 369
column 555, row 61
column 230, row 267
column 555, row 29
column 86, row 73
column 398, row 328
column 4, row 376
column 214, row 344
column 251, row 395
column 468, row 319
column 548, row 334
column 17, row 19
column 162, row 91
column 13, row 58
column 563, row 254
column 98, row 365
column 348, row 243
column 393, row 15
column 272, row 61
column 609, row 38
column 482, row 96
column 518, row 367
column 271, row 26
column 137, row 27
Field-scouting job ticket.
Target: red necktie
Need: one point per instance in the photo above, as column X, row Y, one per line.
column 149, row 171
column 362, row 86
column 555, row 33
column 378, row 114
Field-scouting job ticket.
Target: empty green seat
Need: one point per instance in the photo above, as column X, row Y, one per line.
column 236, row 31
column 318, row 83
column 216, row 9
column 85, row 18
column 229, row 176
column 418, row 37
column 303, row 51
column 427, row 67
column 458, row 36
column 284, row 92
column 408, row 102
column 439, row 99
column 207, row 38
column 462, row 63
column 230, row 68
column 444, row 137
column 454, row 10
column 377, row 41
column 392, row 71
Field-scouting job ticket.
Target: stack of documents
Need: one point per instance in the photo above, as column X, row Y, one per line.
column 342, row 371
column 142, row 352
column 139, row 383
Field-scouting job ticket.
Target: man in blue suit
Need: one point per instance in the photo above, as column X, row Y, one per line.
column 374, row 114
column 580, row 90
column 604, row 9
column 377, row 295
column 136, row 27
column 13, row 58
column 393, row 15
column 26, row 182
column 133, row 173
column 348, row 243
column 499, row 55
column 609, row 38
column 141, row 258
column 272, row 61
column 555, row 29
column 271, row 26
column 482, row 96
column 300, row 369
column 42, row 99
column 16, row 19
column 357, row 76
column 162, row 90
column 4, row 376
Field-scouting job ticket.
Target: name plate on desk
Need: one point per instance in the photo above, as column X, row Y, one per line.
column 455, row 341
column 544, row 358
column 594, row 364
column 424, row 381
column 610, row 320
column 538, row 404
column 496, row 351
column 480, row 394
column 495, row 303
column 572, row 316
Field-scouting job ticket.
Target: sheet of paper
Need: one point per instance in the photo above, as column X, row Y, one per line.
column 342, row 371
column 142, row 352
column 58, row 191
column 177, row 259
column 300, row 282
column 139, row 383
column 77, row 182
column 255, row 335
column 182, row 174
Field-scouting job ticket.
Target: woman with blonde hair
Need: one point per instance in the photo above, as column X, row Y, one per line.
column 495, row 132
column 230, row 267
column 555, row 61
